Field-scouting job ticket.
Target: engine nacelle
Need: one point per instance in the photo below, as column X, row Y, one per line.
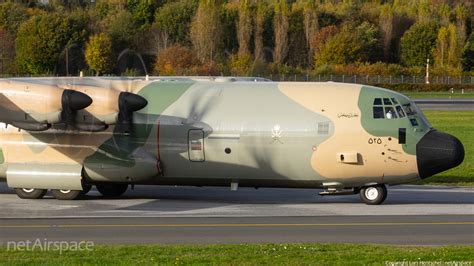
column 104, row 107
column 109, row 107
column 36, row 107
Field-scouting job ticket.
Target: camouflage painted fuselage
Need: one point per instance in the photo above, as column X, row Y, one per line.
column 206, row 132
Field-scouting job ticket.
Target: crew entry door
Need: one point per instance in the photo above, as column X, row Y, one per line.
column 196, row 145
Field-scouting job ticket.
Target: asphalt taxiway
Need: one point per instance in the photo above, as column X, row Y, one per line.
column 424, row 215
column 452, row 104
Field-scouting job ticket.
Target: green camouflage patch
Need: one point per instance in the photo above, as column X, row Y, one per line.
column 162, row 94
column 2, row 159
column 115, row 151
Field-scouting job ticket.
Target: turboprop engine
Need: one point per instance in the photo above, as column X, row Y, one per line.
column 35, row 107
column 109, row 107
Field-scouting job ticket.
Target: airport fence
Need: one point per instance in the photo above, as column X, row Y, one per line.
column 372, row 79
column 361, row 79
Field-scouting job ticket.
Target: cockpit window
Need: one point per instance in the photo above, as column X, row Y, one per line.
column 400, row 112
column 408, row 109
column 386, row 108
column 390, row 113
column 378, row 112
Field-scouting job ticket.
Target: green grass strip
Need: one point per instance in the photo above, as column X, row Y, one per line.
column 245, row 254
column 461, row 125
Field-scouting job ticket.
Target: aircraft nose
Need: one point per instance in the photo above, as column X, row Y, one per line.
column 437, row 152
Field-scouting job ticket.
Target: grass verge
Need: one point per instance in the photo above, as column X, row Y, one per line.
column 245, row 254
column 461, row 125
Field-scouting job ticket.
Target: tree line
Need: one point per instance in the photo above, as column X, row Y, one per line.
column 236, row 37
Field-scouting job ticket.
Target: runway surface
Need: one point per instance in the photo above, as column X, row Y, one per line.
column 454, row 104
column 151, row 214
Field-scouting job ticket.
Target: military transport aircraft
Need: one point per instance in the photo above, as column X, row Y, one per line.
column 69, row 134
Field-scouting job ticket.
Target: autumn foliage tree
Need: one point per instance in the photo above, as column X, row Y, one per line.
column 468, row 54
column 259, row 26
column 238, row 37
column 281, row 25
column 320, row 38
column 175, row 60
column 448, row 51
column 352, row 44
column 311, row 24
column 174, row 19
column 244, row 28
column 206, row 31
column 43, row 39
column 418, row 43
column 7, row 52
column 99, row 53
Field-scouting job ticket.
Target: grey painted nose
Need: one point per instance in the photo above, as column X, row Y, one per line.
column 437, row 152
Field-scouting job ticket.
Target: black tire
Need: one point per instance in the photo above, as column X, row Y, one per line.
column 86, row 189
column 66, row 194
column 112, row 190
column 373, row 195
column 30, row 193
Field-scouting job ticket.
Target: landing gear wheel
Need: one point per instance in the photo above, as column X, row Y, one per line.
column 62, row 194
column 30, row 193
column 112, row 190
column 373, row 195
column 86, row 189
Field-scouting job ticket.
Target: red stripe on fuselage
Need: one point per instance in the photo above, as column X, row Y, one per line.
column 158, row 164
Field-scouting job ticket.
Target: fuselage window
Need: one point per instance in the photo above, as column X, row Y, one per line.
column 378, row 112
column 377, row 101
column 413, row 122
column 400, row 112
column 390, row 113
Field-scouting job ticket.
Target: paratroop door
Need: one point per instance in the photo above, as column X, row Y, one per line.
column 196, row 145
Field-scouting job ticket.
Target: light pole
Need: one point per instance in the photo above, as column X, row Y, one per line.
column 427, row 77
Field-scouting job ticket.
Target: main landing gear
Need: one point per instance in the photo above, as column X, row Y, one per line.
column 61, row 194
column 112, row 190
column 30, row 193
column 107, row 190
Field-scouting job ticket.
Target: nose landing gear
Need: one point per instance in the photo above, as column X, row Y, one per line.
column 373, row 195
